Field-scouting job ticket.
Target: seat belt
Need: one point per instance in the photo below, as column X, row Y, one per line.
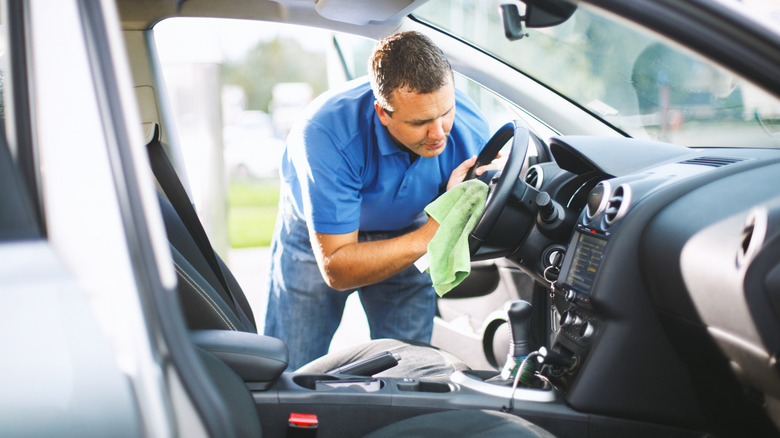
column 174, row 190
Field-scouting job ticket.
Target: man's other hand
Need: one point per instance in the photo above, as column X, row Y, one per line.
column 460, row 172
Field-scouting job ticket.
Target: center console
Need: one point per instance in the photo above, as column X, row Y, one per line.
column 355, row 400
column 350, row 404
column 577, row 322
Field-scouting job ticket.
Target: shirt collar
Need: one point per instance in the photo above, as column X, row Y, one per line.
column 385, row 143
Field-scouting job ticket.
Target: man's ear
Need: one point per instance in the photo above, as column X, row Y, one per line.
column 383, row 115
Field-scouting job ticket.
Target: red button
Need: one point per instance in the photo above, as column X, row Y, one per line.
column 303, row 420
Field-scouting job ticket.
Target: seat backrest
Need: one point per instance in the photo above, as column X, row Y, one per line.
column 210, row 296
column 199, row 289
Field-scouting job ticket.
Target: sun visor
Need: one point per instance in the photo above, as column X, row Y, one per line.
column 362, row 12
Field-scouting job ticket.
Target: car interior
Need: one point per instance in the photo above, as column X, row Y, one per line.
column 649, row 270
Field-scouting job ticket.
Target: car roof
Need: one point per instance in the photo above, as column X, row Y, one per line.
column 331, row 14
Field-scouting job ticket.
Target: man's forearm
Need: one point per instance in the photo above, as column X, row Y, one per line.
column 361, row 263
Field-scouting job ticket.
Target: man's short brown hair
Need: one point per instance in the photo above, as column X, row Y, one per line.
column 406, row 60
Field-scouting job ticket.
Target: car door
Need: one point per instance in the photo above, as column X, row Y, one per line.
column 60, row 373
column 93, row 342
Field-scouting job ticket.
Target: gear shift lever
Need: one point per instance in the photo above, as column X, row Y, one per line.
column 519, row 318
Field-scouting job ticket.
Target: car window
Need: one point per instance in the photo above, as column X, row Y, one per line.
column 354, row 51
column 634, row 80
column 235, row 88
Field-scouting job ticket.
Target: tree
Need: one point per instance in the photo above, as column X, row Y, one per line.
column 274, row 61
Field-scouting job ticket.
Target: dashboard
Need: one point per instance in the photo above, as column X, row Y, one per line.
column 668, row 291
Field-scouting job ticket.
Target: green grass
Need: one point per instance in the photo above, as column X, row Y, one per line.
column 252, row 207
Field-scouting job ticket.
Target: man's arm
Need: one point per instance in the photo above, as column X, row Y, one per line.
column 347, row 264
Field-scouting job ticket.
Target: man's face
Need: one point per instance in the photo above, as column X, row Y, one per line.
column 420, row 122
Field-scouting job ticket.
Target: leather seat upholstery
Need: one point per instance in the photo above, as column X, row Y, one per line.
column 204, row 301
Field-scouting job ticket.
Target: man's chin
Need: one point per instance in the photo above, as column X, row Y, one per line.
column 429, row 154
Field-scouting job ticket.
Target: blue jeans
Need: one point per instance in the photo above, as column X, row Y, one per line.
column 305, row 313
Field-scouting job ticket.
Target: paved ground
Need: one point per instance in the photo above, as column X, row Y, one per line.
column 250, row 266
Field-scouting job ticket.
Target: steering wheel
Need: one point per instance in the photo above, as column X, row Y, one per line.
column 481, row 243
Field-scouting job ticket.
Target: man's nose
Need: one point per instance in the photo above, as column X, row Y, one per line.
column 436, row 130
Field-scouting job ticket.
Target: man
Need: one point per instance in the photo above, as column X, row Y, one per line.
column 356, row 175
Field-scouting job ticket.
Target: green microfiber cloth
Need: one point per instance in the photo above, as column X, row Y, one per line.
column 457, row 212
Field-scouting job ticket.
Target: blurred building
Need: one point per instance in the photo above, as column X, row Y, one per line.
column 287, row 101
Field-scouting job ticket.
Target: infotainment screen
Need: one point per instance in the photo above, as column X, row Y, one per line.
column 588, row 252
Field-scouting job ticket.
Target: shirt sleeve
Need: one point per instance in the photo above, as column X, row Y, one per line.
column 329, row 179
column 474, row 121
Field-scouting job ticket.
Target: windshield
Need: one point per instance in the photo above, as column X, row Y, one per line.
column 632, row 79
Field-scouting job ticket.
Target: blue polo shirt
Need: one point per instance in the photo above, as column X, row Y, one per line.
column 342, row 172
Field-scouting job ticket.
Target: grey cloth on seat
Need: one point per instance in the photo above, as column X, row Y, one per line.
column 416, row 359
column 465, row 423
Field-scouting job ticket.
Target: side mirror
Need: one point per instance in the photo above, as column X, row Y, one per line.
column 538, row 13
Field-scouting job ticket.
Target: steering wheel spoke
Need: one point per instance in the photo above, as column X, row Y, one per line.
column 510, row 210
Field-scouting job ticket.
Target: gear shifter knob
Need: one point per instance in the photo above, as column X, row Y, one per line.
column 519, row 315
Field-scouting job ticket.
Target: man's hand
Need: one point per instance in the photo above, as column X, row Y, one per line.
column 460, row 172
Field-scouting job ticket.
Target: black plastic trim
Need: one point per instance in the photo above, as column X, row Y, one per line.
column 17, row 23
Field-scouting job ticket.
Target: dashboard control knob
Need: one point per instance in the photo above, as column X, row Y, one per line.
column 586, row 331
column 570, row 319
column 564, row 319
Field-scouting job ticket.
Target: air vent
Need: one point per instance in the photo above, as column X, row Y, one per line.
column 712, row 161
column 752, row 237
column 617, row 204
column 534, row 177
column 597, row 199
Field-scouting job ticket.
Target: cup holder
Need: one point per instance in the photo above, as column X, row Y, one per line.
column 309, row 381
column 424, row 386
column 328, row 382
